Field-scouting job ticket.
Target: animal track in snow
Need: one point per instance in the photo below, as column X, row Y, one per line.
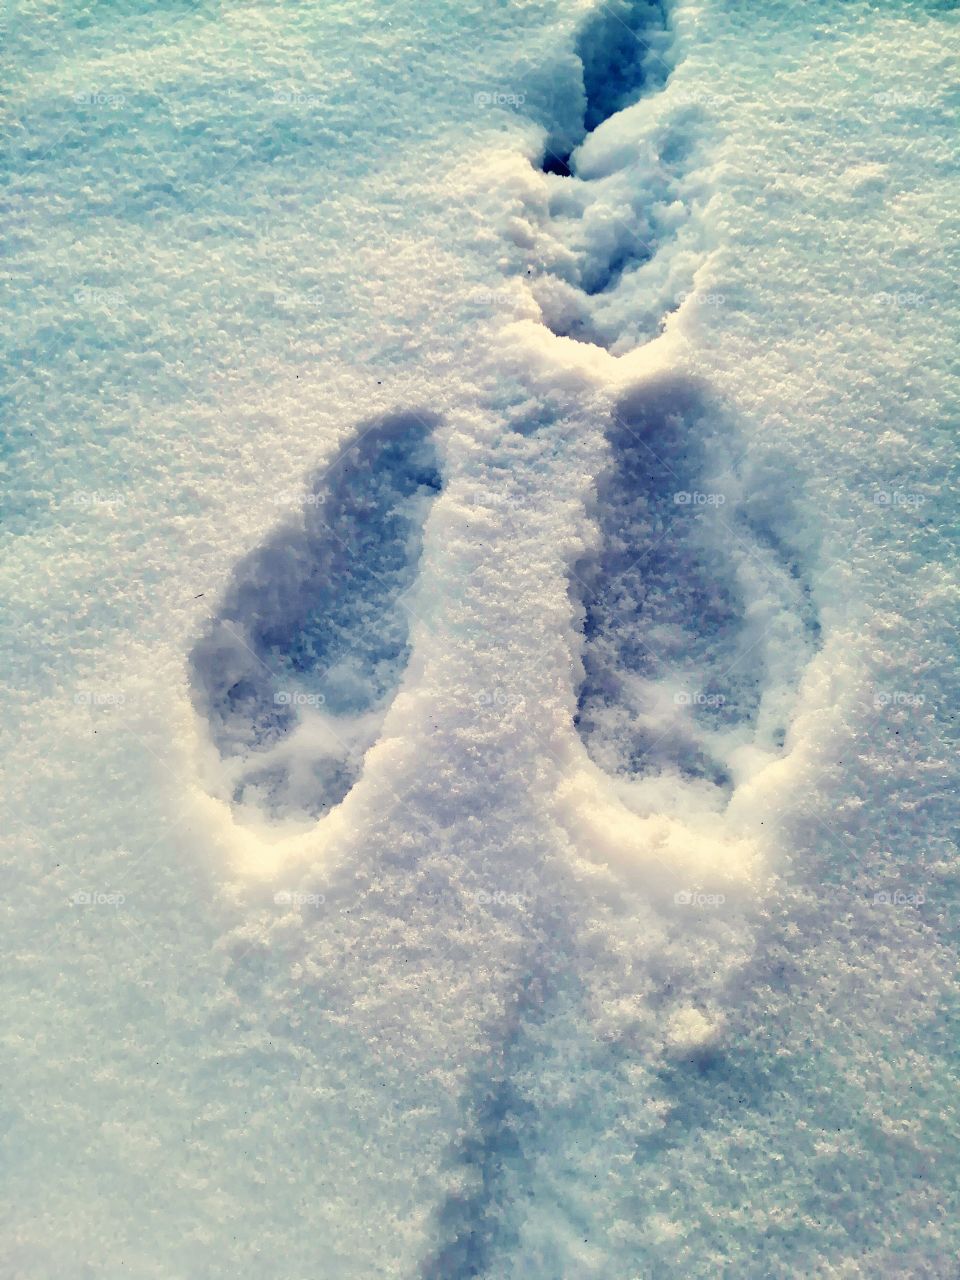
column 620, row 250
column 620, row 244
column 296, row 671
column 696, row 627
column 623, row 50
column 603, row 229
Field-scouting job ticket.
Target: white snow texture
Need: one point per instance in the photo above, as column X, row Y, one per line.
column 480, row 596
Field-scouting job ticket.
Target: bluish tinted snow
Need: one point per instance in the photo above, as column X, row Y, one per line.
column 480, row 603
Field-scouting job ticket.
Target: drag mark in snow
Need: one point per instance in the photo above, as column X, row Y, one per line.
column 298, row 667
column 479, row 1226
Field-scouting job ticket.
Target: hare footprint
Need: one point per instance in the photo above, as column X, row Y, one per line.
column 696, row 626
column 297, row 669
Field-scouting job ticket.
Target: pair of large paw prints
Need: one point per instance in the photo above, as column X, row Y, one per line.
column 695, row 624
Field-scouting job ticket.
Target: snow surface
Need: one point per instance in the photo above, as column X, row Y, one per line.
column 566, row 436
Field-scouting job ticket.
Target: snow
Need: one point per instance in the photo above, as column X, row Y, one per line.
column 542, row 932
